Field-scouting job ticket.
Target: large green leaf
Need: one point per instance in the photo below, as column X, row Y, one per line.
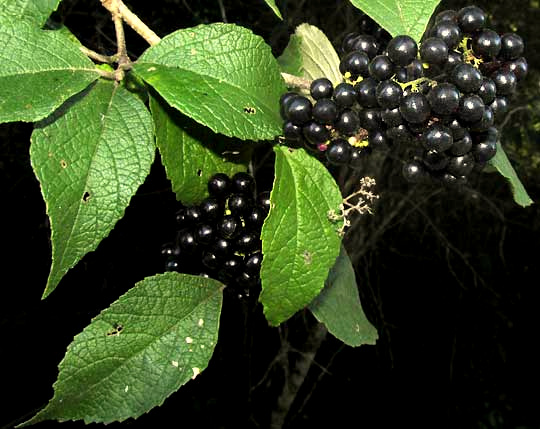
column 145, row 346
column 39, row 70
column 190, row 153
column 338, row 306
column 272, row 4
column 310, row 54
column 89, row 162
column 34, row 11
column 221, row 75
column 399, row 16
column 502, row 164
column 299, row 243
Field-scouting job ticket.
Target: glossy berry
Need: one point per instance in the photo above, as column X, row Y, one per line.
column 325, row 111
column 348, row 42
column 518, row 66
column 388, row 94
column 446, row 15
column 321, row 88
column 512, row 46
column 444, row 99
column 391, row 117
column 458, row 131
column 239, row 204
column 402, row 50
column 505, row 81
column 348, row 122
column 169, row 250
column 435, row 160
column 370, row 119
column 414, row 172
column 377, row 140
column 448, row 31
column 229, row 226
column 298, row 110
column 219, row 185
column 338, row 152
column 461, row 146
column 247, row 242
column 255, row 218
column 315, row 133
column 221, row 247
column 204, row 234
column 486, row 44
column 471, row 108
column 460, row 165
column 367, row 44
column 210, row 260
column 466, row 78
column 187, row 241
column 284, row 100
column 434, row 51
column 243, row 183
column 437, row 137
column 172, row 264
column 454, row 58
column 381, row 68
column 499, row 106
column 252, row 263
column 487, row 90
column 415, row 108
column 356, row 63
column 231, row 265
column 366, row 91
column 471, row 18
column 263, row 201
column 193, row 215
column 358, row 157
column 484, row 151
column 211, row 208
column 292, row 132
column 344, row 95
column 487, row 120
column 415, row 70
column 399, row 134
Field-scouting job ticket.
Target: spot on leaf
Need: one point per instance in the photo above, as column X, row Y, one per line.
column 117, row 329
column 199, row 172
column 86, row 196
column 308, row 257
column 196, row 372
column 63, row 163
column 250, row 110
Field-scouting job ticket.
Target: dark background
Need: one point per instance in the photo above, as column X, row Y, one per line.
column 449, row 277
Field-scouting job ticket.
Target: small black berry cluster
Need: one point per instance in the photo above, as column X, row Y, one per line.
column 220, row 237
column 441, row 101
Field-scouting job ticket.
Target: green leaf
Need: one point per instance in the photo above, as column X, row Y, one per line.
column 89, row 162
column 33, row 11
column 190, row 153
column 310, row 55
column 221, row 75
column 399, row 16
column 338, row 306
column 299, row 243
column 502, row 164
column 272, row 4
column 39, row 70
column 145, row 346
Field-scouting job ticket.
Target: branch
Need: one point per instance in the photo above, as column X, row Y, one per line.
column 295, row 81
column 108, row 59
column 118, row 6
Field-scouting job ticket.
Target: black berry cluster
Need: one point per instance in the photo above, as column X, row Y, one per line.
column 220, row 237
column 440, row 101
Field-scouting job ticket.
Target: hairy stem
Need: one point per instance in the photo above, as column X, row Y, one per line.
column 118, row 6
column 295, row 81
column 108, row 59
